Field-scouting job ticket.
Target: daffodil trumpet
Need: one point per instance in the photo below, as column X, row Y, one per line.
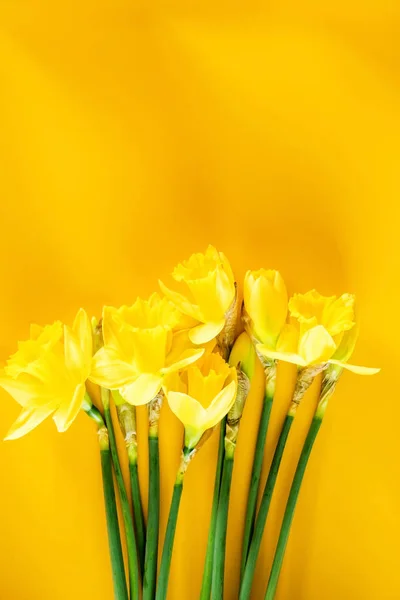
column 126, row 414
column 114, row 538
column 133, row 558
column 304, row 379
column 150, row 570
column 242, row 358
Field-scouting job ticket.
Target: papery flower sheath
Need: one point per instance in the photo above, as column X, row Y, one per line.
column 142, row 343
column 47, row 374
column 265, row 305
column 209, row 295
column 202, row 395
column 315, row 333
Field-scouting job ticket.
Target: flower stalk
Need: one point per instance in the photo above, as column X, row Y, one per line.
column 208, row 565
column 290, row 507
column 133, row 559
column 304, row 379
column 231, row 435
column 150, row 569
column 127, row 421
column 114, row 539
column 270, row 375
column 165, row 566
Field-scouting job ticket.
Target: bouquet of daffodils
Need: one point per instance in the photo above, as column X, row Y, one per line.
column 182, row 347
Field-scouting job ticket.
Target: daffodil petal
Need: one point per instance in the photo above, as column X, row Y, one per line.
column 25, row 393
column 354, row 368
column 188, row 410
column 73, row 353
column 289, row 357
column 316, row 345
column 181, row 302
column 187, row 358
column 142, row 390
column 109, row 371
column 68, row 411
column 28, row 419
column 83, row 331
column 221, row 405
column 205, row 332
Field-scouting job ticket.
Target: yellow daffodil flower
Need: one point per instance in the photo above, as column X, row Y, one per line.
column 202, row 395
column 47, row 374
column 319, row 327
column 142, row 343
column 265, row 305
column 211, row 293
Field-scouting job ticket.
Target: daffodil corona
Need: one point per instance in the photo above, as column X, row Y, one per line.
column 202, row 395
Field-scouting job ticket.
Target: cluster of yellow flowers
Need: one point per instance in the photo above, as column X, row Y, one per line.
column 178, row 345
column 165, row 343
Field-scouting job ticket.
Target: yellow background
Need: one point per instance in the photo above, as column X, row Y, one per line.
column 133, row 133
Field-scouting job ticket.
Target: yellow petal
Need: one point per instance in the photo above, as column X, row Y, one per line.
column 354, row 368
column 142, row 390
column 309, row 306
column 221, row 405
column 225, row 289
column 188, row 410
column 149, row 347
column 204, row 291
column 28, row 419
column 316, row 346
column 69, row 409
column 74, row 360
column 289, row 357
column 205, row 332
column 338, row 316
column 116, row 335
column 109, row 371
column 26, row 393
column 186, row 358
column 181, row 303
column 265, row 299
column 83, row 331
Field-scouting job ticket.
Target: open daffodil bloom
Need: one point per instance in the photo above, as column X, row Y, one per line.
column 211, row 287
column 316, row 331
column 202, row 395
column 47, row 374
column 142, row 343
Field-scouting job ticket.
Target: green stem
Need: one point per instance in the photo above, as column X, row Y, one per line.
column 221, row 530
column 162, row 587
column 137, row 510
column 150, row 569
column 114, row 540
column 290, row 508
column 255, row 480
column 207, row 575
column 255, row 544
column 133, row 561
